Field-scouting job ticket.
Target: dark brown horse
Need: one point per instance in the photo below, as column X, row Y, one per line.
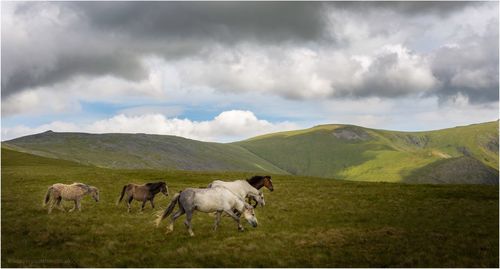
column 143, row 193
column 260, row 181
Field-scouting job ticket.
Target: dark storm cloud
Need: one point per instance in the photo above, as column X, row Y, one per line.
column 407, row 8
column 86, row 65
column 111, row 38
column 222, row 21
column 108, row 38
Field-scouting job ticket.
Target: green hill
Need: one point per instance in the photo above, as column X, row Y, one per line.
column 332, row 151
column 307, row 222
column 142, row 151
column 458, row 170
column 356, row 153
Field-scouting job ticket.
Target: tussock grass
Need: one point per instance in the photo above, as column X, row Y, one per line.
column 307, row 222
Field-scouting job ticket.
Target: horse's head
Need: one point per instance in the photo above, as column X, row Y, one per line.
column 94, row 192
column 268, row 183
column 164, row 188
column 249, row 215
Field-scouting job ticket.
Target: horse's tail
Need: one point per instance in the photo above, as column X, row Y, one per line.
column 169, row 209
column 121, row 196
column 47, row 196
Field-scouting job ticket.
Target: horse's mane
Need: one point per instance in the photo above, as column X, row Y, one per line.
column 155, row 185
column 256, row 179
column 86, row 187
column 81, row 185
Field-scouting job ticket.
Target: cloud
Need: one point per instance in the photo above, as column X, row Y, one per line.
column 66, row 96
column 99, row 38
column 290, row 73
column 46, row 43
column 393, row 72
column 225, row 22
column 59, row 54
column 408, row 113
column 469, row 67
column 409, row 8
column 227, row 126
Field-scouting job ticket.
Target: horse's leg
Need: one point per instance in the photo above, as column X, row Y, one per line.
column 217, row 219
column 74, row 206
column 189, row 215
column 176, row 215
column 236, row 218
column 78, row 204
column 130, row 198
column 59, row 206
column 237, row 213
column 144, row 200
column 151, row 201
column 51, row 204
column 143, row 204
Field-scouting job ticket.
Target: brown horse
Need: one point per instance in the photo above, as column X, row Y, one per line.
column 261, row 181
column 258, row 182
column 143, row 193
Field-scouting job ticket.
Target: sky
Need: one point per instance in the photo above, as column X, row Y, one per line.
column 227, row 71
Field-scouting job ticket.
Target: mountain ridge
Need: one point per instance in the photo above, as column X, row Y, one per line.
column 331, row 150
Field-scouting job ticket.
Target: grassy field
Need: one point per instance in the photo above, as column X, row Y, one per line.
column 307, row 222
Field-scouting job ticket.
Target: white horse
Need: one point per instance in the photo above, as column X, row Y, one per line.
column 73, row 192
column 242, row 189
column 207, row 200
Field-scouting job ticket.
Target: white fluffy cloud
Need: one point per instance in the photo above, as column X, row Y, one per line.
column 393, row 71
column 227, row 126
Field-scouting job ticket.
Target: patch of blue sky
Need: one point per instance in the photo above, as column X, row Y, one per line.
column 100, row 108
column 200, row 113
column 26, row 120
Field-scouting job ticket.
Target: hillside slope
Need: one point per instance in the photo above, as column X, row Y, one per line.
column 356, row 153
column 333, row 151
column 459, row 170
column 136, row 151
